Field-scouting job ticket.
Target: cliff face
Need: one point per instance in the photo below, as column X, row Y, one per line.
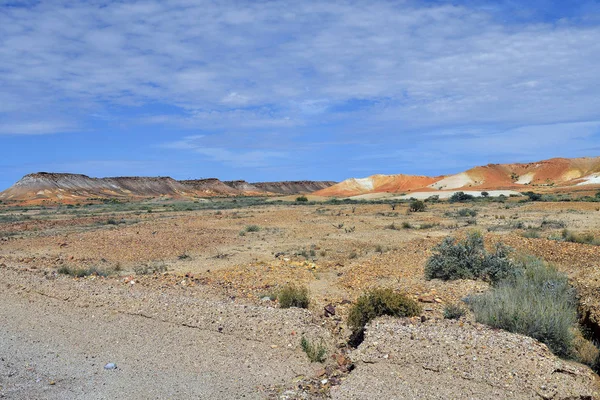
column 293, row 187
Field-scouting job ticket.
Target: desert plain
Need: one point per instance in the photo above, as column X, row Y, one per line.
column 181, row 296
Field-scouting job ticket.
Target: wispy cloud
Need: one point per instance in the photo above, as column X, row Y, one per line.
column 232, row 155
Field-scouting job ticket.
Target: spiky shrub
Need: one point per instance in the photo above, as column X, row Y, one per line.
column 417, row 206
column 293, row 296
column 454, row 311
column 315, row 352
column 468, row 259
column 537, row 302
column 376, row 303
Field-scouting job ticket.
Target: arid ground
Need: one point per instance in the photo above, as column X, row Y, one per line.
column 187, row 309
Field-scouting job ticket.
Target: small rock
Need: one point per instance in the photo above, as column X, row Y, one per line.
column 266, row 298
column 52, row 383
column 329, row 310
column 110, row 366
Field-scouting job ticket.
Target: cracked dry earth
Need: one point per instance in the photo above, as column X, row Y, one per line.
column 204, row 330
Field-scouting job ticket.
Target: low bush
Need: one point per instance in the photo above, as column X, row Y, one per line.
column 531, row 234
column 78, row 272
column 582, row 238
column 376, row 303
column 552, row 224
column 293, row 296
column 460, row 197
column 468, row 259
column 417, row 206
column 466, row 212
column 454, row 311
column 252, row 228
column 150, row 268
column 406, row 225
column 315, row 352
column 537, row 302
column 302, row 199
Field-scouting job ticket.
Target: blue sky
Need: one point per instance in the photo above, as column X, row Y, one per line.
column 285, row 90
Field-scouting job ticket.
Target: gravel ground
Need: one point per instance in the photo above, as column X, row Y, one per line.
column 447, row 359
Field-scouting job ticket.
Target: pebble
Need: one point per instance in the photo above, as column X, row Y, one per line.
column 110, row 366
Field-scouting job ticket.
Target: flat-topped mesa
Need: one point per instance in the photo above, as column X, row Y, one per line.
column 211, row 186
column 293, row 187
column 245, row 187
column 65, row 187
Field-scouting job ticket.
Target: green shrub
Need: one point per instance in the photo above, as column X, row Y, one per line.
column 406, row 225
column 537, row 302
column 417, row 206
column 302, row 199
column 454, row 311
column 252, row 228
column 460, row 197
column 468, row 259
column 315, row 352
column 533, row 196
column 466, row 212
column 376, row 303
column 485, row 194
column 293, row 296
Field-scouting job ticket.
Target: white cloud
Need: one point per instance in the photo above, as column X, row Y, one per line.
column 284, row 64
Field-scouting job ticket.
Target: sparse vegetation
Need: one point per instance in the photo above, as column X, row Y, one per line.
column 150, row 268
column 80, row 272
column 537, row 302
column 315, row 352
column 531, row 234
column 468, row 259
column 552, row 224
column 293, row 296
column 376, row 303
column 302, row 199
column 454, row 311
column 406, row 225
column 582, row 238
